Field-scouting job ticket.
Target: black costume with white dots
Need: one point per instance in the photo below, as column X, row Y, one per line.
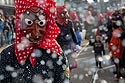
column 50, row 68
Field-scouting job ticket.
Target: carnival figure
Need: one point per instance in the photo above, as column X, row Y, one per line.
column 77, row 26
column 35, row 57
column 115, row 45
column 67, row 37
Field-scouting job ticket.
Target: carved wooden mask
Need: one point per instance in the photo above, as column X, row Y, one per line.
column 34, row 24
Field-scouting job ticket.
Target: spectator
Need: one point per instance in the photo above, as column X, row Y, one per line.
column 1, row 31
column 99, row 50
column 12, row 26
column 7, row 33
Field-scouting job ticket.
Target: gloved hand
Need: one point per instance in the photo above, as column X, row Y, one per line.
column 78, row 47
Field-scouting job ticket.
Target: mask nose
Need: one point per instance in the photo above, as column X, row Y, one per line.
column 36, row 31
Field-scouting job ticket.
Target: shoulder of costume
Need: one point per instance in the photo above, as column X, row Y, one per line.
column 69, row 20
column 7, row 49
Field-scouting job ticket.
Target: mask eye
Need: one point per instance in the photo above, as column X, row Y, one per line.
column 62, row 14
column 28, row 21
column 42, row 22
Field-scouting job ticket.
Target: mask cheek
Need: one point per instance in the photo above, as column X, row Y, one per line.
column 27, row 33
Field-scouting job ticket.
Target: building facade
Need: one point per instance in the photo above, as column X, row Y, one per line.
column 7, row 7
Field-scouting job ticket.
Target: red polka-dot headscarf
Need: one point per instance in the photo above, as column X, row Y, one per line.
column 72, row 14
column 48, row 41
column 59, row 16
column 60, row 9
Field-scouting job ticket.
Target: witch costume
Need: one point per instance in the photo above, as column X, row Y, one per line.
column 67, row 37
column 77, row 26
column 35, row 56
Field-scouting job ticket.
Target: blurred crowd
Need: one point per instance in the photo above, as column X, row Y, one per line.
column 111, row 30
column 7, row 29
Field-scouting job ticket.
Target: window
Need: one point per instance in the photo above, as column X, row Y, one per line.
column 11, row 2
column 2, row 2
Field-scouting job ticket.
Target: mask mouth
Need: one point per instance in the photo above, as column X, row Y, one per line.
column 33, row 37
column 73, row 17
column 64, row 18
column 35, row 40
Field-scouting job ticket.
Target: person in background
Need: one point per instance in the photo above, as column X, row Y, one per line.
column 109, row 27
column 76, row 24
column 90, row 24
column 12, row 26
column 77, row 27
column 101, row 27
column 1, row 30
column 115, row 44
column 7, row 32
column 67, row 36
column 99, row 50
column 35, row 56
